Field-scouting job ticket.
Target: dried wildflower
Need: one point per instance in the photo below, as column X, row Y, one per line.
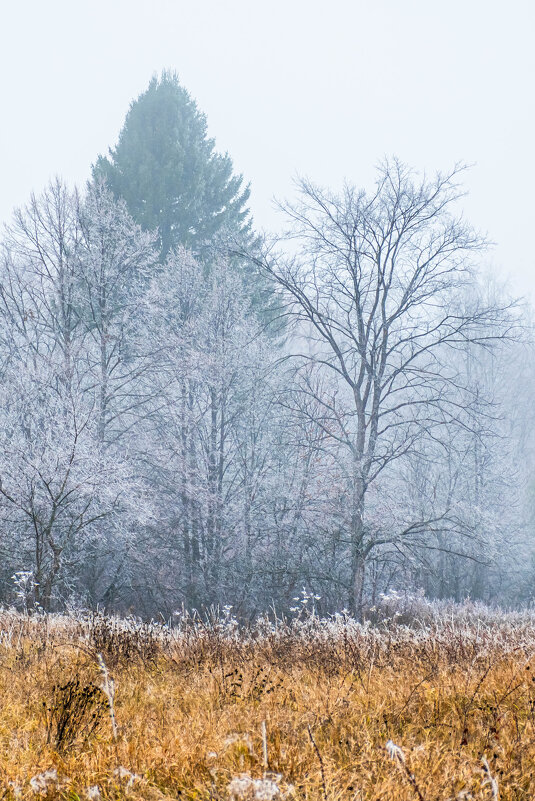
column 490, row 780
column 265, row 790
column 240, row 787
column 244, row 788
column 108, row 688
column 124, row 773
column 16, row 789
column 241, row 738
column 394, row 751
column 41, row 782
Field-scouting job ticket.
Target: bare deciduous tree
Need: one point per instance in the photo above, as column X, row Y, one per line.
column 376, row 285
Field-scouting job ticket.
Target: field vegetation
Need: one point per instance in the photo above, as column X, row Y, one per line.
column 418, row 702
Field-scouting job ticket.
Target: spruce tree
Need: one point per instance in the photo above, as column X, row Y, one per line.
column 168, row 172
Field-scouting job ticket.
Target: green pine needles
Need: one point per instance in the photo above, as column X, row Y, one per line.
column 166, row 169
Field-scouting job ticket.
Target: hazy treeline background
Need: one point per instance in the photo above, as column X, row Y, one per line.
column 194, row 414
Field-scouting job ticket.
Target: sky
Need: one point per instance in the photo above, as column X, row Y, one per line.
column 324, row 90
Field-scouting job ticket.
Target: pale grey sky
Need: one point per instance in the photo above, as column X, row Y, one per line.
column 324, row 89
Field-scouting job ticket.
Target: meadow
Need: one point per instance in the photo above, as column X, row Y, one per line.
column 436, row 702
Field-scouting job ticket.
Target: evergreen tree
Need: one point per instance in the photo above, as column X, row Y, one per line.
column 166, row 169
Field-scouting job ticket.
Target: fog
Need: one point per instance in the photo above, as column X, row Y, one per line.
column 322, row 90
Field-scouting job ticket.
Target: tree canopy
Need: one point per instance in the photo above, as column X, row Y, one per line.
column 167, row 170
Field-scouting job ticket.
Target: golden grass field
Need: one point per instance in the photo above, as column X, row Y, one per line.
column 306, row 709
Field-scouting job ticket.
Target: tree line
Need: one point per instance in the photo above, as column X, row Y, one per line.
column 193, row 415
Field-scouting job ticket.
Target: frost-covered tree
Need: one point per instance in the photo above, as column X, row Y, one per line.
column 115, row 258
column 165, row 440
column 39, row 290
column 55, row 487
column 213, row 367
column 58, row 483
column 378, row 289
column 476, row 477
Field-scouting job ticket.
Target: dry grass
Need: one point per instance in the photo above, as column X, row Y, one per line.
column 191, row 705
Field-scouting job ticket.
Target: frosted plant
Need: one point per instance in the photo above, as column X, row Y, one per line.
column 24, row 585
column 16, row 789
column 394, row 751
column 490, row 781
column 303, row 599
column 108, row 687
column 41, row 783
column 244, row 788
column 123, row 773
